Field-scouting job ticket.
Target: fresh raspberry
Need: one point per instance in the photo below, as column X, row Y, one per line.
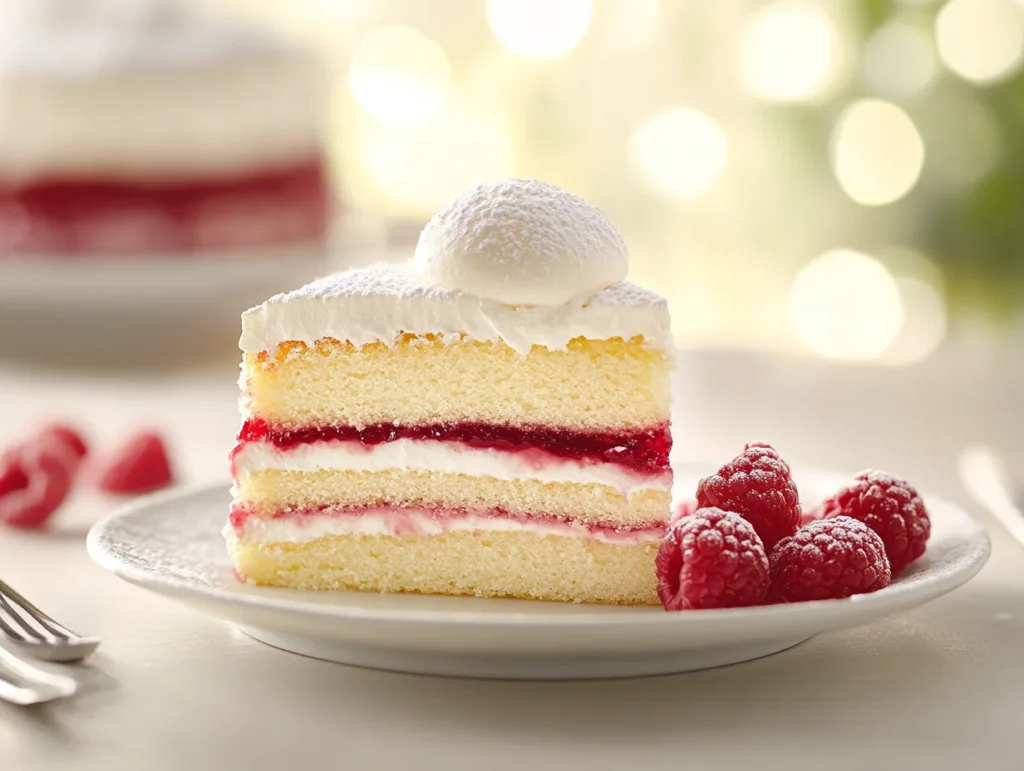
column 890, row 507
column 12, row 472
column 829, row 559
column 67, row 435
column 139, row 466
column 36, row 479
column 758, row 486
column 711, row 559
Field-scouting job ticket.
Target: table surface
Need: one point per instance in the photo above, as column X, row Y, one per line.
column 940, row 687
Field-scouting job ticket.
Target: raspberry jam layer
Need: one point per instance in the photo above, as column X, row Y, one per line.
column 80, row 216
column 645, row 451
column 310, row 524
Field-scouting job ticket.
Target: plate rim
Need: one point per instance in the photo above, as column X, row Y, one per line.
column 890, row 600
column 31, row 280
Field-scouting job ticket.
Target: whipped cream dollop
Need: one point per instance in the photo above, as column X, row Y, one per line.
column 521, row 242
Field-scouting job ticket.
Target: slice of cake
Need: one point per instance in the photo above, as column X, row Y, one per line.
column 142, row 127
column 490, row 418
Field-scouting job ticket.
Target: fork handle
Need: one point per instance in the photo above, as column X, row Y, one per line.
column 22, row 683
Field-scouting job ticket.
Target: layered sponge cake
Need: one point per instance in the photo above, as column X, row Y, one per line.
column 150, row 127
column 490, row 418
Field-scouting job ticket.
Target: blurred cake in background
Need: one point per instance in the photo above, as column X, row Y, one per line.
column 146, row 127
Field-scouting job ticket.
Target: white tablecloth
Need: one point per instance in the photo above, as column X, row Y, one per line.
column 937, row 688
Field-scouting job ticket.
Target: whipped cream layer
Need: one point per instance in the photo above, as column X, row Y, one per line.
column 148, row 88
column 299, row 527
column 381, row 302
column 442, row 457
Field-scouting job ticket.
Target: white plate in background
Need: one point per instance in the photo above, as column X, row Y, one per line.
column 106, row 285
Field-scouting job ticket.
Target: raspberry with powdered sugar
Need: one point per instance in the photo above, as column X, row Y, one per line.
column 711, row 559
column 855, row 542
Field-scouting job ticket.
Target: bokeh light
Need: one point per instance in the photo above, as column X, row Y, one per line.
column 981, row 40
column 922, row 287
column 899, row 60
column 789, row 51
column 539, row 29
column 678, row 153
column 846, row 305
column 399, row 75
column 924, row 324
column 626, row 25
column 877, row 152
column 421, row 169
column 904, row 261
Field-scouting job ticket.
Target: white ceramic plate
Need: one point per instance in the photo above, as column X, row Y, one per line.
column 171, row 544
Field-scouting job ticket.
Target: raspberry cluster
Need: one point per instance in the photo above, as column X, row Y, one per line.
column 745, row 540
column 37, row 474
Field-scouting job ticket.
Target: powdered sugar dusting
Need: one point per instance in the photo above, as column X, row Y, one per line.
column 399, row 282
column 380, row 302
column 521, row 242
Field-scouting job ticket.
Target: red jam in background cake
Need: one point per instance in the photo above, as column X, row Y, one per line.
column 490, row 418
column 144, row 126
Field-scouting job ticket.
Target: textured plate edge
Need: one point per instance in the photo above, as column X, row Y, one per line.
column 894, row 599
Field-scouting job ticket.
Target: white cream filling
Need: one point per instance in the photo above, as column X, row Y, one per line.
column 444, row 457
column 416, row 522
column 149, row 89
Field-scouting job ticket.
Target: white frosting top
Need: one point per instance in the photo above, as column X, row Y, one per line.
column 521, row 242
column 144, row 88
column 380, row 302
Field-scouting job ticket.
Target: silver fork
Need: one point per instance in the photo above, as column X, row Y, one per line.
column 33, row 632
column 22, row 683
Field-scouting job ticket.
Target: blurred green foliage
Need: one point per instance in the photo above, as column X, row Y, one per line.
column 977, row 235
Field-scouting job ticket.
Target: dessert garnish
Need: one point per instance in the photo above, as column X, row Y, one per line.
column 140, row 465
column 855, row 542
column 711, row 559
column 890, row 507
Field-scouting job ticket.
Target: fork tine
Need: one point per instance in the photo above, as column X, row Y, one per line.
column 9, row 630
column 19, row 619
column 39, row 635
column 51, row 626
